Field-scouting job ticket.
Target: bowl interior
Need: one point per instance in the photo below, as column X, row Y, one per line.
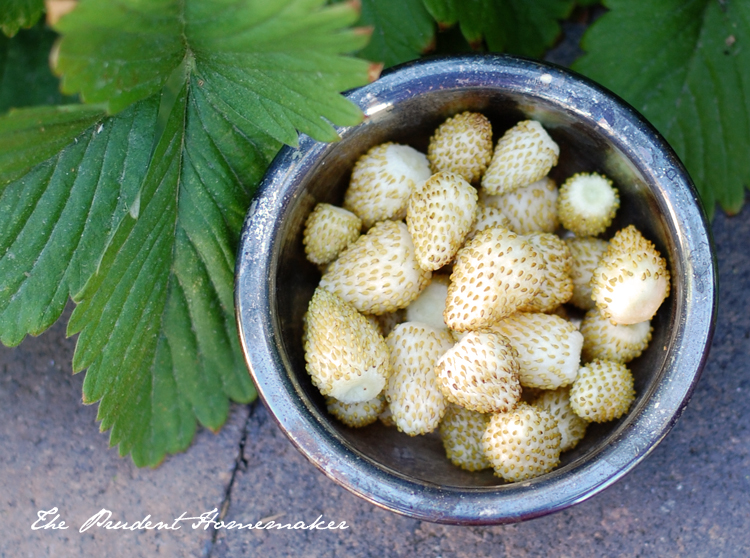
column 584, row 147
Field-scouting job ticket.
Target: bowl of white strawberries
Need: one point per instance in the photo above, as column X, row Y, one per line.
column 488, row 301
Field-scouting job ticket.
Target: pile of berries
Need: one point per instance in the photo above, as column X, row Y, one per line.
column 440, row 305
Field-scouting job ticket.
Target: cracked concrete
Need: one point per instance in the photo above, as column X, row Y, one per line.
column 53, row 456
column 240, row 464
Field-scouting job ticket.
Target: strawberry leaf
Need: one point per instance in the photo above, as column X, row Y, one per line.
column 136, row 215
column 168, row 274
column 69, row 175
column 684, row 65
column 516, row 26
column 402, row 30
column 277, row 64
column 16, row 14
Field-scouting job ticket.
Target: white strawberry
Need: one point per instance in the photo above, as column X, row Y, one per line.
column 356, row 415
column 480, row 373
column 603, row 391
column 461, row 431
column 382, row 181
column 386, row 417
column 524, row 154
column 587, row 204
column 345, row 355
column 523, row 443
column 549, row 348
column 631, row 280
column 629, row 239
column 387, row 321
column 440, row 214
column 604, row 340
column 379, row 272
column 495, row 273
column 428, row 307
column 463, row 145
column 328, row 230
column 557, row 286
column 563, row 312
column 373, row 320
column 585, row 253
column 417, row 404
column 530, row 208
column 487, row 218
column 557, row 403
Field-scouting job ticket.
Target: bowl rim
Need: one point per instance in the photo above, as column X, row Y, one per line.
column 564, row 487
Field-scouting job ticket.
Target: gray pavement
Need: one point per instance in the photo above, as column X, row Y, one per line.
column 53, row 455
column 690, row 497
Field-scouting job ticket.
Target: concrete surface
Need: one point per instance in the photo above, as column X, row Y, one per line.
column 52, row 455
column 690, row 497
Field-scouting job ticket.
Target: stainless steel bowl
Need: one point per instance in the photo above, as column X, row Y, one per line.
column 596, row 131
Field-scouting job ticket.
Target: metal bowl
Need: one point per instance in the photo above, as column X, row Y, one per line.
column 596, row 131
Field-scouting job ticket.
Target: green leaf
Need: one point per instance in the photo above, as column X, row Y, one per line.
column 85, row 172
column 402, row 30
column 521, row 27
column 25, row 75
column 277, row 64
column 30, row 136
column 684, row 65
column 137, row 215
column 15, row 14
column 168, row 274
